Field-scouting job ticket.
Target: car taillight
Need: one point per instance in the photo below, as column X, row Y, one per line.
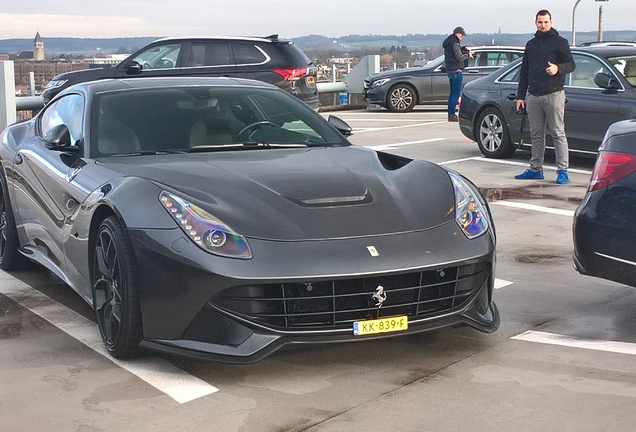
column 610, row 167
column 291, row 74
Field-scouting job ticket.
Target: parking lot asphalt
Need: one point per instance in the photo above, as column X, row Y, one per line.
column 563, row 358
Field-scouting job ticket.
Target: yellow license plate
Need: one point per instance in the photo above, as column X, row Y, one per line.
column 383, row 325
column 310, row 79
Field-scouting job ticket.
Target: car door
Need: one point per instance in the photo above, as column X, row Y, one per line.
column 43, row 193
column 589, row 110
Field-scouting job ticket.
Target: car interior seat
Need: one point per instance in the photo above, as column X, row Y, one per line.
column 630, row 72
column 583, row 74
column 115, row 137
column 215, row 125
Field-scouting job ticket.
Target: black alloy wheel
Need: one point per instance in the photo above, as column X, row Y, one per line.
column 10, row 257
column 115, row 295
column 401, row 98
column 492, row 134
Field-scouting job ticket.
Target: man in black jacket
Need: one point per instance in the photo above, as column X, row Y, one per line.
column 547, row 59
column 454, row 61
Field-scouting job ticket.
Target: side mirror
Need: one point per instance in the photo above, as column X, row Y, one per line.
column 341, row 125
column 604, row 80
column 132, row 67
column 58, row 137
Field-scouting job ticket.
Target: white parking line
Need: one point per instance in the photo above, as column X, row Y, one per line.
column 533, row 207
column 398, row 145
column 174, row 382
column 359, row 131
column 500, row 283
column 524, row 164
column 567, row 341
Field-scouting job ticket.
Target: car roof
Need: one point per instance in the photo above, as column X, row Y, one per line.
column 269, row 39
column 605, row 50
column 496, row 47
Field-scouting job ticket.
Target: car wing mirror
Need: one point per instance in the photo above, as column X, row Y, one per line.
column 604, row 80
column 341, row 125
column 59, row 137
column 132, row 67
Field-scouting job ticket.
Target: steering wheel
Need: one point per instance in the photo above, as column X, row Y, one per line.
column 146, row 66
column 251, row 128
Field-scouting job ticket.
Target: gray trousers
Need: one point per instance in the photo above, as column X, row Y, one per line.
column 545, row 114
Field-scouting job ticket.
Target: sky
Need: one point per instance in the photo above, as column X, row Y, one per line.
column 292, row 19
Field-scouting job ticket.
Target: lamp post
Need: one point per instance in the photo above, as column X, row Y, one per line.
column 600, row 13
column 573, row 12
column 600, row 21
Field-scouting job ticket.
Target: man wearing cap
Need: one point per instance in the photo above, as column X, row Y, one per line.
column 454, row 60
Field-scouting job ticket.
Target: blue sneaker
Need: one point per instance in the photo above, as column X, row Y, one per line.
column 531, row 175
column 562, row 177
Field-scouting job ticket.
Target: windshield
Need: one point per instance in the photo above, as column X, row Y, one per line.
column 204, row 118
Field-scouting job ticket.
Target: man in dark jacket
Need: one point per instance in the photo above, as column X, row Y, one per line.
column 454, row 61
column 547, row 59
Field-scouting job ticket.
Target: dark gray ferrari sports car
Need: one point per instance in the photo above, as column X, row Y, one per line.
column 221, row 219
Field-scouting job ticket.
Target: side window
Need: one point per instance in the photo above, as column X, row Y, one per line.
column 159, row 56
column 586, row 68
column 209, row 54
column 512, row 76
column 69, row 111
column 245, row 54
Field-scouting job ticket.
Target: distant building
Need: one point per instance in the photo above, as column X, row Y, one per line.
column 112, row 59
column 38, row 48
column 43, row 71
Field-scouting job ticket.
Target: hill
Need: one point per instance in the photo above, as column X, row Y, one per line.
column 346, row 44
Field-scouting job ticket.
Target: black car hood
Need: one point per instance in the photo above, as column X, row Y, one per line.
column 301, row 194
column 84, row 75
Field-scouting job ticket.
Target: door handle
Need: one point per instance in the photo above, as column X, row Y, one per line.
column 511, row 96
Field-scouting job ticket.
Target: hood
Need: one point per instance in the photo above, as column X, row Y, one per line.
column 87, row 74
column 450, row 40
column 302, row 194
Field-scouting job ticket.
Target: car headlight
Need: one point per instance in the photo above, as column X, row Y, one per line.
column 470, row 213
column 380, row 82
column 208, row 232
column 56, row 83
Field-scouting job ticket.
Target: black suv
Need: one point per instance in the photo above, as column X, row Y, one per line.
column 268, row 59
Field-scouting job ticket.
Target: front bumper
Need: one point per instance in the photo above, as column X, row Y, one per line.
column 198, row 305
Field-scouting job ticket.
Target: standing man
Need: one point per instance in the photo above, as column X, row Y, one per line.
column 547, row 59
column 454, row 61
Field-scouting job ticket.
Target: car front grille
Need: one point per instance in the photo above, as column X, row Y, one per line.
column 337, row 303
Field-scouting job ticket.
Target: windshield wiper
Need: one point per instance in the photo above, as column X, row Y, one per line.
column 243, row 146
column 150, row 153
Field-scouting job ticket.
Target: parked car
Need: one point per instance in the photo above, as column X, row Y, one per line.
column 600, row 91
column 267, row 59
column 222, row 218
column 604, row 230
column 400, row 90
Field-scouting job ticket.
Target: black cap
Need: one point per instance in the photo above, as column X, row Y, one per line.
column 459, row 30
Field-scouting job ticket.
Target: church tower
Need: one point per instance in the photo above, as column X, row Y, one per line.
column 38, row 47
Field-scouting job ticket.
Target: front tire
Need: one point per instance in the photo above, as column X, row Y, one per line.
column 401, row 98
column 492, row 135
column 115, row 295
column 10, row 256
